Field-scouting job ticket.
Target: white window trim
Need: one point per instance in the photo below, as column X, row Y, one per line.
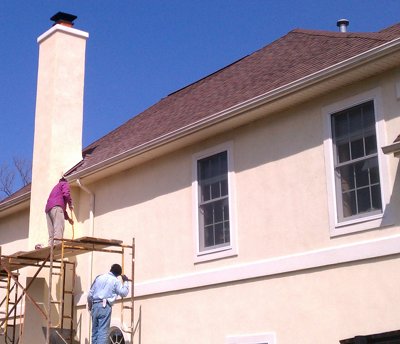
column 268, row 338
column 368, row 222
column 226, row 251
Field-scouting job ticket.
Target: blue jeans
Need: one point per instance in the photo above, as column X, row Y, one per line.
column 101, row 318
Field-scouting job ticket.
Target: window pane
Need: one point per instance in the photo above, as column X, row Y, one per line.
column 340, row 126
column 224, row 187
column 374, row 171
column 368, row 115
column 215, row 166
column 357, row 148
column 226, row 211
column 208, row 214
column 355, row 120
column 346, row 174
column 215, row 193
column 205, row 193
column 218, row 212
column 349, row 204
column 227, row 232
column 223, row 163
column 376, row 197
column 343, row 151
column 208, row 236
column 363, row 200
column 361, row 174
column 219, row 234
column 370, row 145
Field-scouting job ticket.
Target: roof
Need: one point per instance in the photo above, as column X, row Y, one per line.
column 293, row 56
column 296, row 55
column 21, row 193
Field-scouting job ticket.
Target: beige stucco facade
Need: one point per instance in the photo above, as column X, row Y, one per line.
column 288, row 277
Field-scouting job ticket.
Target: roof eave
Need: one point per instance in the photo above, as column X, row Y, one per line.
column 364, row 58
column 392, row 148
column 15, row 204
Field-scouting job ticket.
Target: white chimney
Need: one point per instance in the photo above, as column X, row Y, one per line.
column 58, row 116
column 342, row 24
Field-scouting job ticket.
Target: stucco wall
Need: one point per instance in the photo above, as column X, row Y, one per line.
column 282, row 211
column 14, row 232
column 280, row 188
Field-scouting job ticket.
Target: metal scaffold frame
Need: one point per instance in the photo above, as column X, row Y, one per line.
column 55, row 258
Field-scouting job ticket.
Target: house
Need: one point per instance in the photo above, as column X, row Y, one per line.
column 262, row 203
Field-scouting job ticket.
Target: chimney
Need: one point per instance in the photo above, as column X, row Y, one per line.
column 65, row 19
column 58, row 115
column 342, row 24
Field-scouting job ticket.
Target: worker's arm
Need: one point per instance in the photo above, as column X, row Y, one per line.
column 67, row 194
column 122, row 289
column 90, row 300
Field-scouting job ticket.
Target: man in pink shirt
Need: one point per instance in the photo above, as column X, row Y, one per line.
column 56, row 210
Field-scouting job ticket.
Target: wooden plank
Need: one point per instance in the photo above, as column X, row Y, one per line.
column 72, row 248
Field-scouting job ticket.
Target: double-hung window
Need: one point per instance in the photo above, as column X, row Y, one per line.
column 357, row 182
column 212, row 175
column 213, row 198
column 355, row 166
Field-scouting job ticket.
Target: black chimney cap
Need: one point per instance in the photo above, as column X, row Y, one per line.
column 62, row 17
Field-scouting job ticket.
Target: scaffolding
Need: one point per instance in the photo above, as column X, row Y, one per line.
column 55, row 258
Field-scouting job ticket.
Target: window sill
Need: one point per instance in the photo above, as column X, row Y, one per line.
column 359, row 225
column 215, row 254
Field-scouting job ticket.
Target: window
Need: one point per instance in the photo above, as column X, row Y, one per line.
column 264, row 338
column 358, row 191
column 213, row 202
column 212, row 175
column 356, row 170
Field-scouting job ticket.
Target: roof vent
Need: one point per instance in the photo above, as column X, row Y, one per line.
column 342, row 24
column 63, row 19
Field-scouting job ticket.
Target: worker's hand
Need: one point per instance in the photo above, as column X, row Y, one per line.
column 124, row 278
column 71, row 207
column 71, row 221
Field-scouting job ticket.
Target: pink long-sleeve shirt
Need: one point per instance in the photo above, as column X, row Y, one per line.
column 60, row 196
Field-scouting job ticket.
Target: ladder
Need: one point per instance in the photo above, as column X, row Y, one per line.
column 12, row 320
column 64, row 298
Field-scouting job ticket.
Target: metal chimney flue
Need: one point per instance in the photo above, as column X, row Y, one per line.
column 342, row 24
column 62, row 18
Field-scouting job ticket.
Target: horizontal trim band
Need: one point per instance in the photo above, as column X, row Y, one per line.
column 312, row 259
column 353, row 252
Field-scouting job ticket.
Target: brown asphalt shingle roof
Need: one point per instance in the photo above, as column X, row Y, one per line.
column 293, row 56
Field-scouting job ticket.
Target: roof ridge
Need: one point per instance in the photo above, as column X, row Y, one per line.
column 378, row 36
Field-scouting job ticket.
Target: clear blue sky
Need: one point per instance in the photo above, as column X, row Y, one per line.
column 139, row 51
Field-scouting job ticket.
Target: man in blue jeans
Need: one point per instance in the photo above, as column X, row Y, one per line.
column 102, row 295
